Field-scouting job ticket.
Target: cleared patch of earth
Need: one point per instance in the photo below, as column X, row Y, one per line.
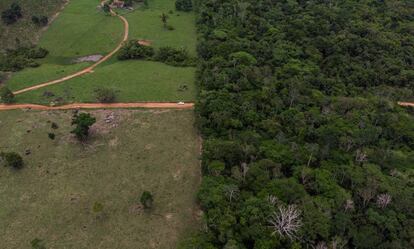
column 89, row 58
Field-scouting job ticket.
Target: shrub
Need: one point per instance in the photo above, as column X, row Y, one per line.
column 105, row 95
column 54, row 126
column 183, row 5
column 51, row 135
column 40, row 20
column 172, row 56
column 6, row 96
column 17, row 59
column 147, row 199
column 37, row 244
column 12, row 159
column 82, row 121
column 11, row 15
column 134, row 50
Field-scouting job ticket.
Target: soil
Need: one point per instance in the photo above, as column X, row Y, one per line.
column 74, row 106
column 89, row 58
column 144, row 42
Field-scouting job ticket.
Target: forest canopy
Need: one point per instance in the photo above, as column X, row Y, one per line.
column 304, row 143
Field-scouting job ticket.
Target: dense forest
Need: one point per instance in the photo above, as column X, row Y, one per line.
column 304, row 143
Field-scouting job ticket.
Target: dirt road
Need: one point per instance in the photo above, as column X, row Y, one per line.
column 406, row 104
column 150, row 105
column 88, row 69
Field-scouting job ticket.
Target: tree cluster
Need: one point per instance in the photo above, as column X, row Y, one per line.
column 21, row 57
column 40, row 20
column 83, row 122
column 167, row 55
column 184, row 5
column 304, row 144
column 12, row 14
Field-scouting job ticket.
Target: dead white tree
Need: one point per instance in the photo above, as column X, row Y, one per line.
column 244, row 169
column 361, row 156
column 231, row 191
column 272, row 199
column 286, row 221
column 349, row 205
column 383, row 200
column 320, row 245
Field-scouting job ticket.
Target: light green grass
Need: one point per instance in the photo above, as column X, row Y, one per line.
column 52, row 197
column 24, row 30
column 133, row 81
column 146, row 24
column 82, row 30
column 45, row 72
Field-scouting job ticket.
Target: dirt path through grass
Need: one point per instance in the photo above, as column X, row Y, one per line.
column 154, row 105
column 88, row 69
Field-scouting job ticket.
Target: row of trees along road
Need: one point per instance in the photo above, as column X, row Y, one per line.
column 304, row 144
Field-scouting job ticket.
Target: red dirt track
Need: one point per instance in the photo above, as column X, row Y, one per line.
column 150, row 105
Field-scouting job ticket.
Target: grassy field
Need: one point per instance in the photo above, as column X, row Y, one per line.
column 24, row 29
column 134, row 80
column 146, row 24
column 52, row 197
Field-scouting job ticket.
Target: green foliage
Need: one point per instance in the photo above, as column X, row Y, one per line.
column 299, row 106
column 40, row 20
column 183, row 5
column 172, row 56
column 106, row 9
column 105, row 95
column 51, row 136
column 12, row 159
column 147, row 199
column 6, row 95
column 37, row 244
column 82, row 121
column 134, row 50
column 11, row 15
column 17, row 59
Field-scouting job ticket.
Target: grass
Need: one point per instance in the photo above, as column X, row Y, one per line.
column 133, row 81
column 52, row 197
column 82, row 30
column 145, row 23
column 24, row 30
column 46, row 72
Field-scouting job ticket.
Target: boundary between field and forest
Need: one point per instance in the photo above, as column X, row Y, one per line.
column 88, row 69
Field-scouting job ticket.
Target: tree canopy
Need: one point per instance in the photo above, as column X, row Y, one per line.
column 298, row 111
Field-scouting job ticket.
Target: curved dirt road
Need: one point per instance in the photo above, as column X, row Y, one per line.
column 150, row 105
column 88, row 69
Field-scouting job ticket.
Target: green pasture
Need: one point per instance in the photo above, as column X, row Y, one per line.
column 52, row 197
column 82, row 29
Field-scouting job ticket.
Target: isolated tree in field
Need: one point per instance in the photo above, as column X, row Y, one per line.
column 12, row 159
column 164, row 19
column 147, row 199
column 6, row 96
column 82, row 121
